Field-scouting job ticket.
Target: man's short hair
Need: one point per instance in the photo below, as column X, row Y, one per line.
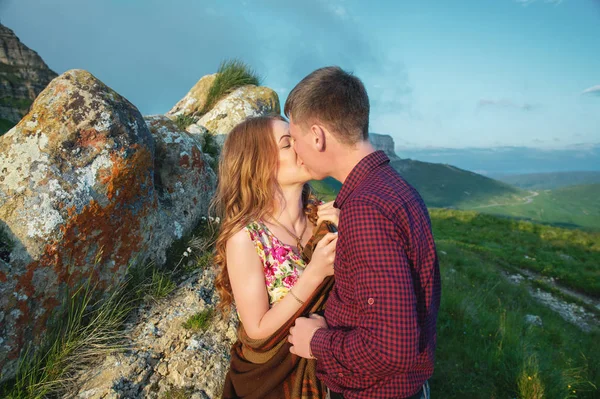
column 334, row 98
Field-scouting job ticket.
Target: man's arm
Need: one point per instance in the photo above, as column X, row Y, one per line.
column 385, row 339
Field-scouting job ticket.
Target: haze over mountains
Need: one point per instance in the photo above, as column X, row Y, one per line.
column 501, row 161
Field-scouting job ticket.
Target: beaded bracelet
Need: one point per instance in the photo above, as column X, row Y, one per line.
column 296, row 298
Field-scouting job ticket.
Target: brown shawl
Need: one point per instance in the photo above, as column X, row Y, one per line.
column 265, row 368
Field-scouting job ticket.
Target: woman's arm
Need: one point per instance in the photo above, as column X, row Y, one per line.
column 249, row 290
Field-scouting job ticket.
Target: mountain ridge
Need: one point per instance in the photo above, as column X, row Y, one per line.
column 23, row 75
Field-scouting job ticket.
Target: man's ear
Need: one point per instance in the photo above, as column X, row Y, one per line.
column 318, row 137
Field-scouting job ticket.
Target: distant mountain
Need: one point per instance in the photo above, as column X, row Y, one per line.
column 385, row 143
column 549, row 181
column 23, row 75
column 502, row 161
column 451, row 187
column 439, row 185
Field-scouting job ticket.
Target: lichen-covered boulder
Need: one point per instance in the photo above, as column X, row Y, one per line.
column 242, row 103
column 194, row 100
column 82, row 194
column 183, row 180
column 76, row 183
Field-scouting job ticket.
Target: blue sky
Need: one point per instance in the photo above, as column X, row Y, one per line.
column 470, row 73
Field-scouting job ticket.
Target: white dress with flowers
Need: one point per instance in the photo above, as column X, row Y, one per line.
column 282, row 263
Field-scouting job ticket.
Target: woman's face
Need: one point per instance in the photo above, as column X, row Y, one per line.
column 291, row 169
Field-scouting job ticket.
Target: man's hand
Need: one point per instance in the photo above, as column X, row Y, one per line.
column 302, row 332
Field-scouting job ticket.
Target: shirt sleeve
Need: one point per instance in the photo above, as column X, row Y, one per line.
column 385, row 338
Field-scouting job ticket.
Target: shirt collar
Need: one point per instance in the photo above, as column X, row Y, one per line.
column 358, row 174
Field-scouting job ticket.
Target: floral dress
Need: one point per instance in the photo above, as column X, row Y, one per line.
column 282, row 263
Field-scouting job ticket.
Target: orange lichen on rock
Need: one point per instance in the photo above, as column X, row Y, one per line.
column 91, row 138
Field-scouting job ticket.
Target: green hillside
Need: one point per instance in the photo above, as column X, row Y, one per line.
column 550, row 181
column 485, row 347
column 5, row 126
column 443, row 185
column 327, row 188
column 447, row 186
column 576, row 206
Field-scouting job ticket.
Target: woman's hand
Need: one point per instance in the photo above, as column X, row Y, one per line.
column 321, row 264
column 326, row 211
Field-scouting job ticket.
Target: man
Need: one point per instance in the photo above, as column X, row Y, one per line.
column 378, row 337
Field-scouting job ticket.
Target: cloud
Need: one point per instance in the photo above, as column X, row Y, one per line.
column 592, row 91
column 505, row 104
column 526, row 3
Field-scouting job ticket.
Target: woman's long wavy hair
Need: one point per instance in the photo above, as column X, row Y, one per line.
column 246, row 190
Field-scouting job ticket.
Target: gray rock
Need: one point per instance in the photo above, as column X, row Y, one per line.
column 242, row 103
column 385, row 143
column 179, row 358
column 23, row 65
column 85, row 184
column 533, row 320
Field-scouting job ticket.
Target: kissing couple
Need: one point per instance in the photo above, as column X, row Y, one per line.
column 336, row 299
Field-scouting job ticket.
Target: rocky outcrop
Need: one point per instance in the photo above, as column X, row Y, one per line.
column 194, row 101
column 385, row 143
column 244, row 102
column 162, row 355
column 23, row 75
column 86, row 188
column 183, row 181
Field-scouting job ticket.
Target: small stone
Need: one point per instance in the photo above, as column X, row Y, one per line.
column 533, row 320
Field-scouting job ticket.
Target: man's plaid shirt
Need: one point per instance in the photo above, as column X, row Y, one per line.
column 383, row 308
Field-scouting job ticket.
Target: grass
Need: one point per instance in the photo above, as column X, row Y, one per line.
column 571, row 257
column 89, row 326
column 161, row 285
column 84, row 329
column 231, row 75
column 212, row 148
column 183, row 121
column 486, row 350
column 177, row 393
column 574, row 206
column 200, row 321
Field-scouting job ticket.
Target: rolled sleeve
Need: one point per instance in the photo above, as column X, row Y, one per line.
column 385, row 339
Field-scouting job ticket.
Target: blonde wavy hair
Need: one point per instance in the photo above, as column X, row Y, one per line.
column 247, row 187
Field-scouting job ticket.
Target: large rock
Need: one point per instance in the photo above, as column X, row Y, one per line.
column 194, row 100
column 162, row 355
column 242, row 103
column 80, row 197
column 23, row 75
column 183, row 180
column 385, row 143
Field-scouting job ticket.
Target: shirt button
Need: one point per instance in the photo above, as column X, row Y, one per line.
column 340, row 375
column 371, row 301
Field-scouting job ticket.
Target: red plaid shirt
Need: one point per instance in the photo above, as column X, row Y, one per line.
column 383, row 308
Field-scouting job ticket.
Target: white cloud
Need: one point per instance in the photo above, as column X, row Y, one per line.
column 594, row 90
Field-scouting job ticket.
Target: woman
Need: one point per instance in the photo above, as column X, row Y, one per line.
column 264, row 204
